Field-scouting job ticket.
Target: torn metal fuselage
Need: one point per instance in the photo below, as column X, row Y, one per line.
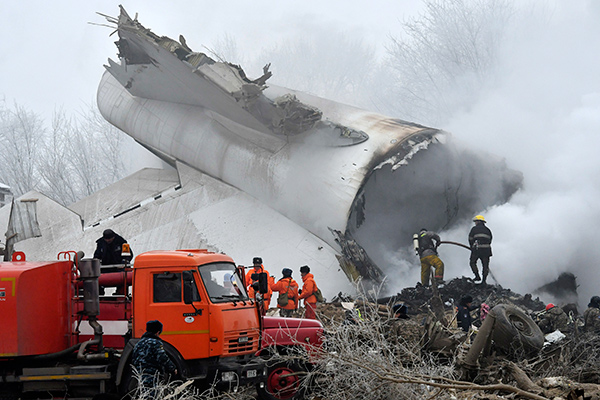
column 360, row 181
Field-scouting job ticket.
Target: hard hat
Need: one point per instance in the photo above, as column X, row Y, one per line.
column 479, row 218
column 549, row 306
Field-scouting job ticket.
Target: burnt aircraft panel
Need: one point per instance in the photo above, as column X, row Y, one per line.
column 360, row 181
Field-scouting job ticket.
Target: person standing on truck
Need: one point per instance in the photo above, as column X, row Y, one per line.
column 287, row 287
column 480, row 241
column 149, row 357
column 307, row 293
column 428, row 243
column 112, row 249
column 257, row 268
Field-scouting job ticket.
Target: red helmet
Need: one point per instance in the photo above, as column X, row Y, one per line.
column 549, row 306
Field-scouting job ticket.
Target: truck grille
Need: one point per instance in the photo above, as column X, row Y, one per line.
column 241, row 342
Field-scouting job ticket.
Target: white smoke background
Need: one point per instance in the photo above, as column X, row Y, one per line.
column 543, row 115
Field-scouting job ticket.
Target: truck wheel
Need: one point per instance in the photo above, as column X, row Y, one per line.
column 284, row 381
column 129, row 384
column 9, row 392
column 514, row 331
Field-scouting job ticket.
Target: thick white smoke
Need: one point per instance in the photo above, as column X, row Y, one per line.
column 543, row 115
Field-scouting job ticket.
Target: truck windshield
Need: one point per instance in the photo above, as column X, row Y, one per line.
column 222, row 283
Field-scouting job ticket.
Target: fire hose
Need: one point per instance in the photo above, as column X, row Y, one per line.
column 468, row 248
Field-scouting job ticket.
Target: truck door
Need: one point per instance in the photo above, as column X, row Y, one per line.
column 186, row 326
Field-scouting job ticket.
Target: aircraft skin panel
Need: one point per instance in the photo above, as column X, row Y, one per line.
column 202, row 213
column 360, row 181
column 189, row 134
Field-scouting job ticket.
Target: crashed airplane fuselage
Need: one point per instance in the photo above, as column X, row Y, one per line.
column 360, row 181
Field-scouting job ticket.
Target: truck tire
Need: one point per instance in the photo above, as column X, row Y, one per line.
column 284, row 381
column 9, row 392
column 129, row 383
column 515, row 332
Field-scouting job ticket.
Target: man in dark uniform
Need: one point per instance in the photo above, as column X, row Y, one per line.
column 112, row 249
column 149, row 357
column 553, row 318
column 463, row 312
column 591, row 316
column 480, row 240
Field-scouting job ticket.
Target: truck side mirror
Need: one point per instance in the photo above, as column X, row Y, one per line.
column 263, row 283
column 190, row 291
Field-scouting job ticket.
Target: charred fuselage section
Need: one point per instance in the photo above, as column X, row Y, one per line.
column 359, row 181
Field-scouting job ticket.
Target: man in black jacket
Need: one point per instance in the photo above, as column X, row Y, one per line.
column 480, row 240
column 112, row 249
column 463, row 312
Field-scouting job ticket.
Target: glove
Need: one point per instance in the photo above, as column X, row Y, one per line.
column 299, row 291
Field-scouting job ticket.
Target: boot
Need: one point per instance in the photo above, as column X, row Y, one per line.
column 477, row 277
column 485, row 274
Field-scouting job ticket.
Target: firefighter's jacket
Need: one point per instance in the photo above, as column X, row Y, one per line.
column 480, row 240
column 309, row 287
column 427, row 247
column 290, row 286
column 251, row 291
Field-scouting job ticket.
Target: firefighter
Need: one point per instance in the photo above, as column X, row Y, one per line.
column 307, row 293
column 149, row 357
column 288, row 293
column 112, row 249
column 552, row 319
column 591, row 316
column 480, row 241
column 428, row 243
column 463, row 312
column 258, row 268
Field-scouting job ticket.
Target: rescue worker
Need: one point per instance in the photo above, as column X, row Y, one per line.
column 480, row 241
column 400, row 311
column 554, row 318
column 591, row 316
column 149, row 357
column 112, row 249
column 258, row 268
column 289, row 287
column 307, row 293
column 463, row 312
column 395, row 328
column 428, row 243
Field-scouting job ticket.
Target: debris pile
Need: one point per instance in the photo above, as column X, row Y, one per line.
column 418, row 298
column 565, row 369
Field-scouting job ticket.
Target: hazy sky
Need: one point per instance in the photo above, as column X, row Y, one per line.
column 50, row 56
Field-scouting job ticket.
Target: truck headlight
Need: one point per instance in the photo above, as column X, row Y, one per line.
column 228, row 376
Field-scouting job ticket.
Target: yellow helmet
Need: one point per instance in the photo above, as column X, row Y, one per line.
column 479, row 218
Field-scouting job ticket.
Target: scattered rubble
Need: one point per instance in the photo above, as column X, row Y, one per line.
column 565, row 368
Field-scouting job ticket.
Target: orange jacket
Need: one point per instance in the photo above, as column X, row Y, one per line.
column 251, row 293
column 291, row 286
column 309, row 287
